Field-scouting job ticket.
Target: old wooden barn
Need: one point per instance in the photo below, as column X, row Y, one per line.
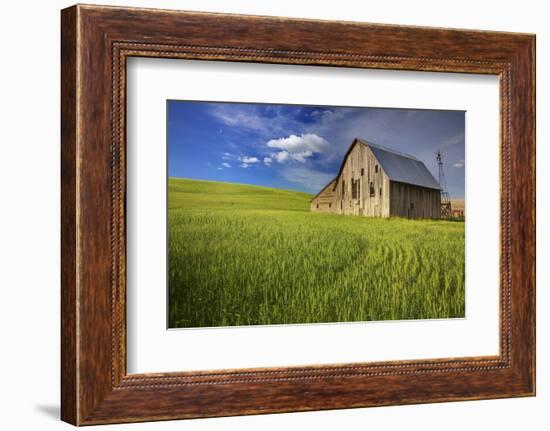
column 374, row 181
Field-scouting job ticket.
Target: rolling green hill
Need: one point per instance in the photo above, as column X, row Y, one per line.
column 248, row 255
column 203, row 195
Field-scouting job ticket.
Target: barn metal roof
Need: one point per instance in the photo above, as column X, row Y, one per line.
column 403, row 167
column 398, row 166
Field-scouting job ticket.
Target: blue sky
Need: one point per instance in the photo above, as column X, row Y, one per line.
column 301, row 147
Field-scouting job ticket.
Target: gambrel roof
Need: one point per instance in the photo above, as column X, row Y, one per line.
column 399, row 167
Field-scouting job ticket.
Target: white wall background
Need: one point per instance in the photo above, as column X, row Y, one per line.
column 29, row 215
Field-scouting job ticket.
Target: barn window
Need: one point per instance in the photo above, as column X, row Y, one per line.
column 375, row 169
column 330, row 205
column 343, row 188
column 317, row 206
column 372, row 189
column 358, row 189
column 380, row 191
column 362, row 171
column 412, row 205
column 354, row 184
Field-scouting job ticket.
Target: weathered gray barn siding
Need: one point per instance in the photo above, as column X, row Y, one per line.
column 324, row 201
column 411, row 201
column 361, row 166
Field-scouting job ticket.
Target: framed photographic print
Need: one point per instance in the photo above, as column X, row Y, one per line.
column 266, row 215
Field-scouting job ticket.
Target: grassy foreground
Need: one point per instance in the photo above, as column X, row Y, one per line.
column 247, row 255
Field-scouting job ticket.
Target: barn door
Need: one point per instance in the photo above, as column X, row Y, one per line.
column 410, row 211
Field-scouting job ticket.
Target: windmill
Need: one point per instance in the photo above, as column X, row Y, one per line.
column 446, row 210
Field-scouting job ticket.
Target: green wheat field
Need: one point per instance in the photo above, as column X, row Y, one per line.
column 248, row 255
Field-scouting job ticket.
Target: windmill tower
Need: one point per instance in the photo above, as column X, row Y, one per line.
column 446, row 211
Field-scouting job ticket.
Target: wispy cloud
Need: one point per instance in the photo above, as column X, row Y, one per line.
column 311, row 179
column 225, row 164
column 265, row 120
column 243, row 118
column 451, row 141
column 459, row 164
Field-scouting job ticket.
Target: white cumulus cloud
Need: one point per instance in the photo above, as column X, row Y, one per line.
column 247, row 161
column 227, row 165
column 298, row 148
column 301, row 156
column 281, row 156
column 297, row 144
column 267, row 161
